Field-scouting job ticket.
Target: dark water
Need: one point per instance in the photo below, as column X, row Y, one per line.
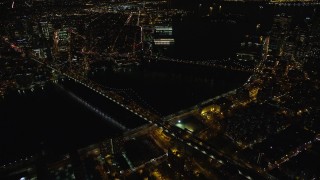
column 170, row 87
column 218, row 34
column 48, row 120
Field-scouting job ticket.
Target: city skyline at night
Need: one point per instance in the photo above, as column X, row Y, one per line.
column 120, row 89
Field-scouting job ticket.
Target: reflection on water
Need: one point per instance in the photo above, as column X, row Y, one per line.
column 49, row 117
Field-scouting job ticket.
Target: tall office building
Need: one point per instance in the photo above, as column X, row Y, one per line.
column 46, row 29
column 61, row 40
column 163, row 36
